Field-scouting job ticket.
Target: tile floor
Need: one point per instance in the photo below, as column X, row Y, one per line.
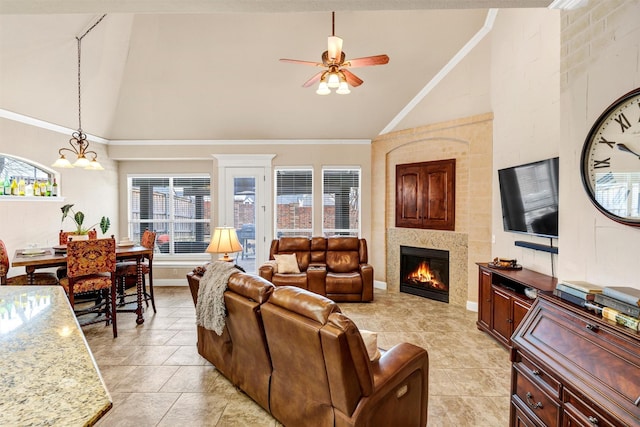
column 156, row 377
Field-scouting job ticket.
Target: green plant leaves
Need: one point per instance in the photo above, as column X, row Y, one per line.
column 65, row 211
column 105, row 223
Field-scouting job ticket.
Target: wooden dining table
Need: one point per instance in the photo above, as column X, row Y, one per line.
column 32, row 260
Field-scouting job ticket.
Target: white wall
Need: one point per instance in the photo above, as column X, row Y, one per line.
column 525, row 68
column 601, row 62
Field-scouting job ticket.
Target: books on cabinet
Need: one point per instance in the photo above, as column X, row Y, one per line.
column 619, row 304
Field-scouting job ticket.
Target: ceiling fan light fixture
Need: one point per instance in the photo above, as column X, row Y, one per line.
column 323, row 89
column 343, row 89
column 333, row 81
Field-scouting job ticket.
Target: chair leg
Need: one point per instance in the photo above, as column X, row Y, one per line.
column 112, row 300
column 121, row 284
column 145, row 295
column 153, row 301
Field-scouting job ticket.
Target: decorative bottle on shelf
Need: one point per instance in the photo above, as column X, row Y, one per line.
column 14, row 187
column 7, row 186
column 54, row 188
column 48, row 187
column 36, row 188
column 21, row 187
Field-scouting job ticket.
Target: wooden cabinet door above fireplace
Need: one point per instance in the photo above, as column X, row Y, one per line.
column 425, row 195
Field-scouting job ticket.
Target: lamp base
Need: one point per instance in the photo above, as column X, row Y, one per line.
column 226, row 258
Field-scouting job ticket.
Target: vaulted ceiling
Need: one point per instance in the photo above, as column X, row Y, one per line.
column 197, row 69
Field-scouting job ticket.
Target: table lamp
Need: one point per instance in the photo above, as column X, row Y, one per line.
column 224, row 241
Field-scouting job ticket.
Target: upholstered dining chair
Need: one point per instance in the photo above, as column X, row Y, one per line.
column 63, row 239
column 23, row 279
column 128, row 270
column 91, row 266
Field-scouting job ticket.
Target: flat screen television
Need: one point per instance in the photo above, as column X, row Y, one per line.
column 529, row 197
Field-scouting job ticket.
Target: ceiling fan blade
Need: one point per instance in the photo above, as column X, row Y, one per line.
column 297, row 61
column 314, row 79
column 367, row 61
column 334, row 50
column 351, row 78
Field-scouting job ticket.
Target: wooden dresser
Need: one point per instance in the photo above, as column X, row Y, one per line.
column 573, row 368
column 502, row 303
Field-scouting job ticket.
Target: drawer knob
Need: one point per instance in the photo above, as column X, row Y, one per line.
column 531, row 403
column 593, row 420
column 591, row 327
column 536, row 372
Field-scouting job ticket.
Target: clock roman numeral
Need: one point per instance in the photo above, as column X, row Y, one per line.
column 599, row 164
column 623, row 122
column 611, row 144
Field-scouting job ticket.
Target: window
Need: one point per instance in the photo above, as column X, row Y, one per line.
column 294, row 202
column 341, row 202
column 177, row 208
column 29, row 178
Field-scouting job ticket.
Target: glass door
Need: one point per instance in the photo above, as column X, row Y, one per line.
column 244, row 210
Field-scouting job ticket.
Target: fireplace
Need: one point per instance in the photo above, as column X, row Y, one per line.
column 425, row 272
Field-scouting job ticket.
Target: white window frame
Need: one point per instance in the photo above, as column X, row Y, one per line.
column 171, row 221
column 350, row 231
column 276, row 230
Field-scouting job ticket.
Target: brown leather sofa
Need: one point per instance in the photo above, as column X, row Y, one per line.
column 305, row 362
column 335, row 267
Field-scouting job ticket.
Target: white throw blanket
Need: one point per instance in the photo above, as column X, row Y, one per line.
column 210, row 309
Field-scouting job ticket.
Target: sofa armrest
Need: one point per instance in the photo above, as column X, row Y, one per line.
column 366, row 271
column 194, row 286
column 400, row 389
column 266, row 271
column 316, row 275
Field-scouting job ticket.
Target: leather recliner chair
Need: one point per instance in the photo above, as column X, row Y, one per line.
column 241, row 352
column 322, row 374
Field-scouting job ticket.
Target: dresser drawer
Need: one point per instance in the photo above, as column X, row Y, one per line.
column 520, row 419
column 542, row 378
column 532, row 397
column 578, row 413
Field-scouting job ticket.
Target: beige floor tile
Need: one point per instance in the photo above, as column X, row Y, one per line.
column 157, row 378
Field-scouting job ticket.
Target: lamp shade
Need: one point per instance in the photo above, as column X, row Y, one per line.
column 224, row 240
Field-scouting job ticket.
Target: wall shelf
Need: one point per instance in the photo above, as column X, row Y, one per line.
column 537, row 246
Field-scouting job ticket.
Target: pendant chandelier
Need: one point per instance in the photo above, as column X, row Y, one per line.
column 78, row 142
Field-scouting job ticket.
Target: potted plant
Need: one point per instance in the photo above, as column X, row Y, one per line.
column 78, row 218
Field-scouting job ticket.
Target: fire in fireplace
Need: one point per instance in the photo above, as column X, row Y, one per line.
column 425, row 272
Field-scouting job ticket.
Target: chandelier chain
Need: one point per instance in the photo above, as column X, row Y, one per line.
column 79, row 39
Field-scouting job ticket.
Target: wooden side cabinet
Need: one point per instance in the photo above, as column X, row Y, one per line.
column 502, row 303
column 571, row 368
column 425, row 195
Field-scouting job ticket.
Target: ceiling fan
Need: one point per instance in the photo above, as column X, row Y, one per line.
column 336, row 74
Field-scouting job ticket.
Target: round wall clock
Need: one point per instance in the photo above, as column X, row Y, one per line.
column 610, row 161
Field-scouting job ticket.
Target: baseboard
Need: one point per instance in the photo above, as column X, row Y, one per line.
column 379, row 285
column 170, row 282
column 472, row 306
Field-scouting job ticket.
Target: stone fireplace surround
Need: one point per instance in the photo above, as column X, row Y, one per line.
column 455, row 243
column 468, row 140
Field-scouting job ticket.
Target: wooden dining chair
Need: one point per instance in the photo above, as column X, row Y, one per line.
column 91, row 267
column 23, row 279
column 128, row 270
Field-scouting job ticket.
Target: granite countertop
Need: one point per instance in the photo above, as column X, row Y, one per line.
column 47, row 373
